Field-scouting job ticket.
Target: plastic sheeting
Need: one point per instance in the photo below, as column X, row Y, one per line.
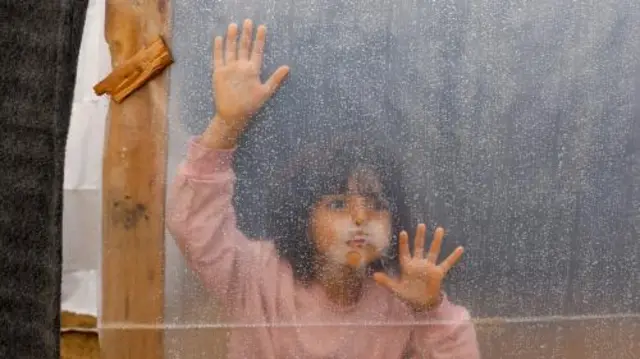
column 519, row 121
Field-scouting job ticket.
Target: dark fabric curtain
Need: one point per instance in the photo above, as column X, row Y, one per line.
column 39, row 45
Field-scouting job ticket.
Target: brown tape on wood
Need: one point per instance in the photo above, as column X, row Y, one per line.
column 136, row 71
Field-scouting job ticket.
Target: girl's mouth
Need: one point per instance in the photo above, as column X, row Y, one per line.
column 357, row 242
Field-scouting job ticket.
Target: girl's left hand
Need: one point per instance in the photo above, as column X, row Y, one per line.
column 421, row 278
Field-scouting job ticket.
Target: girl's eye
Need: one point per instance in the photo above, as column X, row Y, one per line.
column 337, row 204
column 378, row 204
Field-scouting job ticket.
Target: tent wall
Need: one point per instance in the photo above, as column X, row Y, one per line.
column 40, row 43
column 520, row 122
column 85, row 142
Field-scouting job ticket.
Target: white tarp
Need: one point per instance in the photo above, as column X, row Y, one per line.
column 83, row 170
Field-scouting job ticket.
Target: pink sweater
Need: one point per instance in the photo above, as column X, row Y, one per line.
column 274, row 315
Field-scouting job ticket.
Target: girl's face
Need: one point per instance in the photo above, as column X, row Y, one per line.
column 353, row 228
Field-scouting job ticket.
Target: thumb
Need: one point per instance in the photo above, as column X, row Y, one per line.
column 273, row 83
column 386, row 281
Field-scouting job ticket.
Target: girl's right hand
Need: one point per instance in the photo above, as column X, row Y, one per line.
column 238, row 91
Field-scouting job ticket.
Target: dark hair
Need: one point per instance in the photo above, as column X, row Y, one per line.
column 325, row 170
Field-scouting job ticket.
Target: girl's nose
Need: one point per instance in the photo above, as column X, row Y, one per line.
column 358, row 211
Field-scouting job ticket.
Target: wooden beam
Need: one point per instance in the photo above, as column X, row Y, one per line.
column 134, row 170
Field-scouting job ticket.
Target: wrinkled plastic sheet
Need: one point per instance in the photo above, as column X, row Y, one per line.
column 519, row 121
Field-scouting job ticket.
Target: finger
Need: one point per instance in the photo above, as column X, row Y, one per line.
column 436, row 245
column 258, row 46
column 245, row 40
column 418, row 250
column 218, row 57
column 231, row 52
column 403, row 247
column 274, row 82
column 452, row 259
column 386, row 281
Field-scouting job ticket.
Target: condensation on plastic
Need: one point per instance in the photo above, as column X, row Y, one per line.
column 519, row 121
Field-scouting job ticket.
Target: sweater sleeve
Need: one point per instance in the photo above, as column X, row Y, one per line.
column 446, row 332
column 202, row 220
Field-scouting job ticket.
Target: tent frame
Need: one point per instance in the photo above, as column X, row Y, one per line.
column 134, row 185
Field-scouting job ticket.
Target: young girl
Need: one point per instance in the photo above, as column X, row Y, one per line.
column 325, row 286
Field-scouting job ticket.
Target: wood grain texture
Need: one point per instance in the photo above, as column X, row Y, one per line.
column 134, row 192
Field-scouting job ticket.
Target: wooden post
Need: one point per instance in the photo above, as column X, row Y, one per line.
column 134, row 167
